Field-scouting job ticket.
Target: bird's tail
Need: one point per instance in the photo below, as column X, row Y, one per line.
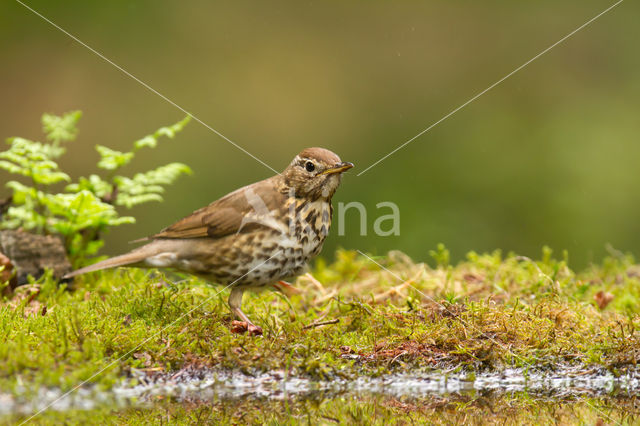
column 134, row 257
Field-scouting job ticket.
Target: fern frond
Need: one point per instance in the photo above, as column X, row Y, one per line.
column 111, row 159
column 151, row 141
column 61, row 128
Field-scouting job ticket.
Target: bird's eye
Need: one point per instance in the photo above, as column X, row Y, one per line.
column 310, row 166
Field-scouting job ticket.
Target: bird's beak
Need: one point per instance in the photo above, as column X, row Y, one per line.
column 338, row 168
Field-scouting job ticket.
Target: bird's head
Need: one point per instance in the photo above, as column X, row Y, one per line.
column 315, row 173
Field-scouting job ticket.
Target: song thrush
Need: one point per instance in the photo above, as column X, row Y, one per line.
column 253, row 237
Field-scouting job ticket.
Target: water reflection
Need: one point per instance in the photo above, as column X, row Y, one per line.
column 593, row 394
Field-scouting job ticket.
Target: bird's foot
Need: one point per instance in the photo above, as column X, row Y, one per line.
column 241, row 327
column 254, row 330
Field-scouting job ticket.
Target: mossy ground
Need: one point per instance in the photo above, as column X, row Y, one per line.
column 487, row 312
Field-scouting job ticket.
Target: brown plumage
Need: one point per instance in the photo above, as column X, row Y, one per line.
column 253, row 237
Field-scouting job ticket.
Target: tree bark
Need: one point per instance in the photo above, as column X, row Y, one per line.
column 31, row 254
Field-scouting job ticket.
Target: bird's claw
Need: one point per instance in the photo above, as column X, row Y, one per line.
column 254, row 330
column 238, row 327
column 241, row 327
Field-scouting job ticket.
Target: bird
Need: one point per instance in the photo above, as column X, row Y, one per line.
column 252, row 238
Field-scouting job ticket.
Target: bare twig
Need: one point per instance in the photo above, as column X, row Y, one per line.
column 320, row 324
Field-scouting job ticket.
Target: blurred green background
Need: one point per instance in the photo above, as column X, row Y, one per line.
column 549, row 157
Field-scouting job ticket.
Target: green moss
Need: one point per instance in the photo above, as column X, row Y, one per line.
column 486, row 312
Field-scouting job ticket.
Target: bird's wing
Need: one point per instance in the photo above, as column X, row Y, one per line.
column 227, row 215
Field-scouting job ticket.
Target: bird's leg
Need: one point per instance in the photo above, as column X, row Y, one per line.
column 235, row 303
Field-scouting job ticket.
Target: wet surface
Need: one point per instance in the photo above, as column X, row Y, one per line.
column 206, row 385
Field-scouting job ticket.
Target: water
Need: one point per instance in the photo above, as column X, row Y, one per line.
column 205, row 385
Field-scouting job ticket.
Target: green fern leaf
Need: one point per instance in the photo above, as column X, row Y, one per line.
column 111, row 159
column 61, row 129
column 151, row 141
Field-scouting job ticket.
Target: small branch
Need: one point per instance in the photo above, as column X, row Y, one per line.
column 320, row 324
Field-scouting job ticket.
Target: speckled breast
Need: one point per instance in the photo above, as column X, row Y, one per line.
column 277, row 252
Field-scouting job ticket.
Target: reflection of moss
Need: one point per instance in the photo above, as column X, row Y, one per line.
column 477, row 409
column 495, row 311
